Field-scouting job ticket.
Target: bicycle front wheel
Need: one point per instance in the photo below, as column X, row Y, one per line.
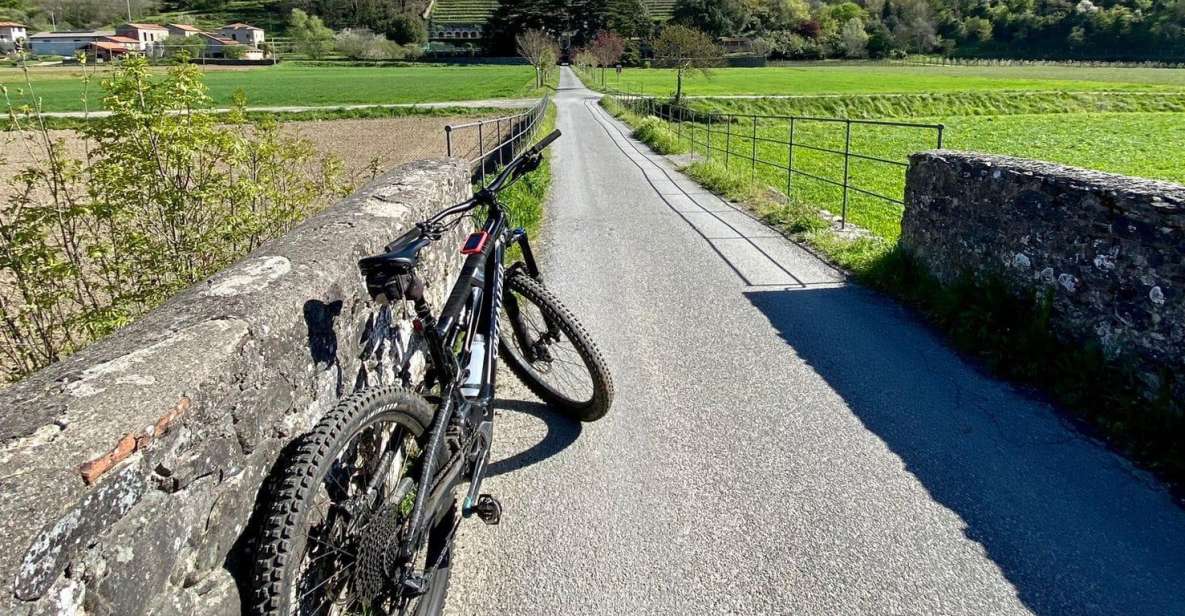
column 551, row 353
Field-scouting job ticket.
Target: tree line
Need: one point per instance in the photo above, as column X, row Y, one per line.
column 815, row 29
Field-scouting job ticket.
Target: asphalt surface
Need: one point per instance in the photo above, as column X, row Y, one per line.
column 783, row 443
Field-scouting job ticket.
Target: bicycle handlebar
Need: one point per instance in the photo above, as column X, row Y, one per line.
column 531, row 157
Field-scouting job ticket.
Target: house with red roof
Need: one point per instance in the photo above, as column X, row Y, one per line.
column 218, row 46
column 12, row 32
column 242, row 33
column 183, row 30
column 149, row 36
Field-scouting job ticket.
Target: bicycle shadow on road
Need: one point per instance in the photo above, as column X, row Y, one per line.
column 561, row 432
column 1069, row 524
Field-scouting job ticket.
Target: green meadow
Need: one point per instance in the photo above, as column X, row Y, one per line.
column 293, row 84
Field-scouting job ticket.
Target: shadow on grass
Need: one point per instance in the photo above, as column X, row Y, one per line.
column 1067, row 522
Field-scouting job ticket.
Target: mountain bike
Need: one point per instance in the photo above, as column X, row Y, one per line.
column 365, row 511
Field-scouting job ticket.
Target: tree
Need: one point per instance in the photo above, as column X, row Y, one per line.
column 310, row 33
column 686, row 49
column 168, row 193
column 855, row 39
column 575, row 22
column 713, row 17
column 977, row 29
column 540, row 50
column 607, row 47
column 405, row 28
column 176, row 44
column 773, row 15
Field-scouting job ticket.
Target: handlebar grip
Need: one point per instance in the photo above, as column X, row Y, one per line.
column 546, row 141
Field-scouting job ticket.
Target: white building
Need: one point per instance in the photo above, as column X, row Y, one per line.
column 185, row 30
column 150, row 36
column 11, row 32
column 64, row 43
column 242, row 33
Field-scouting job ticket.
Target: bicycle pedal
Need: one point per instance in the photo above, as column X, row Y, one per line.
column 488, row 509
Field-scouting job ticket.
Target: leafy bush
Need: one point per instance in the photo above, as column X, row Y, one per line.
column 405, row 29
column 658, row 135
column 166, row 195
column 365, row 45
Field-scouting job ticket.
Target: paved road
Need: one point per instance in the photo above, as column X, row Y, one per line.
column 490, row 103
column 783, row 443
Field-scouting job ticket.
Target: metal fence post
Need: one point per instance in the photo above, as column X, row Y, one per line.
column 753, row 158
column 448, row 140
column 499, row 143
column 679, row 125
column 941, row 128
column 708, row 148
column 481, row 151
column 790, row 160
column 847, row 152
column 727, row 139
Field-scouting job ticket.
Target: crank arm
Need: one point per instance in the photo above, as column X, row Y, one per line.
column 485, row 435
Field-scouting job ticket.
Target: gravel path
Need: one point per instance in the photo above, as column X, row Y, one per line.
column 783, row 443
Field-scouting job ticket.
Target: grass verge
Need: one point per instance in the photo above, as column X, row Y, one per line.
column 525, row 199
column 649, row 130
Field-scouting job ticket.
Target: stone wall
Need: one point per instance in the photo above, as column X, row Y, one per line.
column 129, row 471
column 1109, row 250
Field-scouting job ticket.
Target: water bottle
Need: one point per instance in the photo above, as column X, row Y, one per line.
column 477, row 362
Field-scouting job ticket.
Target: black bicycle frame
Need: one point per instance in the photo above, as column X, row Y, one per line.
column 479, row 288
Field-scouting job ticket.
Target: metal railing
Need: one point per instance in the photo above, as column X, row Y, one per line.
column 781, row 138
column 488, row 144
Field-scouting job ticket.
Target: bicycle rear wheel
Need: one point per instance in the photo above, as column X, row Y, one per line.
column 341, row 507
column 552, row 355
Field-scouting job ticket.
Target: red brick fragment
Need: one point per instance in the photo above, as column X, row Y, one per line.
column 130, row 443
column 92, row 470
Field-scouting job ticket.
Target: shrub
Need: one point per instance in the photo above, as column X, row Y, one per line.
column 167, row 194
column 405, row 29
column 658, row 135
column 362, row 44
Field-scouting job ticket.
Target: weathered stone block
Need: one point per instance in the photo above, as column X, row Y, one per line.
column 179, row 417
column 1105, row 248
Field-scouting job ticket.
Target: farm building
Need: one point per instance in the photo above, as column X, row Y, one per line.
column 64, row 43
column 11, row 32
column 182, row 30
column 242, row 33
column 148, row 36
column 106, row 50
column 218, row 47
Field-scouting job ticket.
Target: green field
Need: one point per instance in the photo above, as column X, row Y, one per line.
column 835, row 78
column 1128, row 121
column 1142, row 144
column 295, row 84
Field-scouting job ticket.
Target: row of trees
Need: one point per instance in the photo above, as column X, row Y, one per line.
column 880, row 28
column 68, row 14
column 811, row 29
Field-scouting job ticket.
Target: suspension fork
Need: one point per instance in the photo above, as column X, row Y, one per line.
column 519, row 236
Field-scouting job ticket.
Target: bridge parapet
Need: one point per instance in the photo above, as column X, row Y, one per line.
column 130, row 471
column 1107, row 250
